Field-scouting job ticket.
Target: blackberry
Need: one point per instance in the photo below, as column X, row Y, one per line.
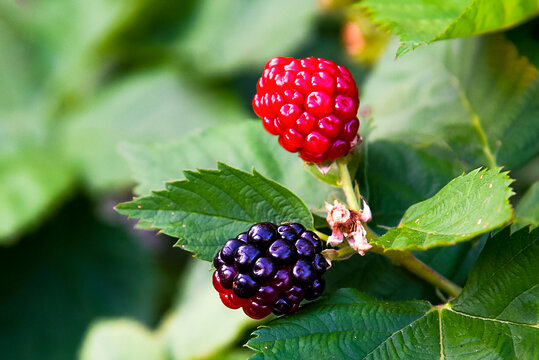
column 270, row 269
column 311, row 104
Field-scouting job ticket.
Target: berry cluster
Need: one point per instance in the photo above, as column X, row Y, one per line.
column 270, row 269
column 311, row 104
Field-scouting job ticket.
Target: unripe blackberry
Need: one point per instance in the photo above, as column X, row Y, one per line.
column 270, row 269
column 311, row 104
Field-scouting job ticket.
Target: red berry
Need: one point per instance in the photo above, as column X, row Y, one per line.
column 311, row 104
column 225, row 298
column 217, row 282
column 349, row 131
column 316, row 143
column 256, row 310
column 330, row 126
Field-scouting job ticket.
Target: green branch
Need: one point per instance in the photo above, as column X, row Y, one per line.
column 404, row 259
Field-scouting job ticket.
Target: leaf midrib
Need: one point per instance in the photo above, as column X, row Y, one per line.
column 192, row 212
column 492, row 319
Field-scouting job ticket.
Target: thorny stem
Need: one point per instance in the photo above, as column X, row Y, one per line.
column 402, row 258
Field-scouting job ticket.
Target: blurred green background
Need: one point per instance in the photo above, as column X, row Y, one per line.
column 79, row 78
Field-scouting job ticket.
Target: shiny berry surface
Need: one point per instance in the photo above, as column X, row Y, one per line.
column 262, row 234
column 244, row 286
column 310, row 104
column 229, row 249
column 283, row 252
column 245, row 256
column 263, row 269
column 269, row 268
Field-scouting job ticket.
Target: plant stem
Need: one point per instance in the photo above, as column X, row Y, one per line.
column 408, row 261
column 346, row 184
column 402, row 258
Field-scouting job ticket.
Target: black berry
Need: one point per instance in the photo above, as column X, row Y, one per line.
column 282, row 307
column 305, row 249
column 245, row 256
column 298, row 227
column 267, row 295
column 313, row 238
column 320, row 264
column 294, row 295
column 262, row 234
column 303, row 272
column 245, row 286
column 283, row 279
column 283, row 252
column 270, row 269
column 217, row 261
column 287, row 232
column 263, row 269
column 242, row 237
column 315, row 289
column 228, row 250
column 227, row 273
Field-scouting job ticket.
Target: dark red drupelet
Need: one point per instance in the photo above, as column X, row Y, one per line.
column 270, row 269
column 311, row 104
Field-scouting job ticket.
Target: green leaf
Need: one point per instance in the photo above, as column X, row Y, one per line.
column 217, row 42
column 348, row 325
column 119, row 340
column 400, row 175
column 66, row 274
column 527, row 210
column 377, row 276
column 31, row 184
column 242, row 145
column 495, row 317
column 471, row 204
column 420, row 22
column 216, row 327
column 525, row 40
column 147, row 107
column 504, row 285
column 484, row 107
column 211, row 206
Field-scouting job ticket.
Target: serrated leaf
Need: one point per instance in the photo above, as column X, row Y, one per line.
column 527, row 210
column 351, row 325
column 146, row 107
column 470, row 205
column 218, row 43
column 348, row 325
column 211, row 206
column 176, row 337
column 399, row 175
column 251, row 146
column 504, row 284
column 484, row 107
column 420, row 22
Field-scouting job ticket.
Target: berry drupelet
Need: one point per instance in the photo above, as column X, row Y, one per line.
column 269, row 269
column 311, row 104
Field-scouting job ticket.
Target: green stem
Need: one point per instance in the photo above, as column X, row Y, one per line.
column 408, row 261
column 402, row 258
column 346, row 184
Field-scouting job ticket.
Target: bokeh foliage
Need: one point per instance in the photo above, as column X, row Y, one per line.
column 96, row 96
